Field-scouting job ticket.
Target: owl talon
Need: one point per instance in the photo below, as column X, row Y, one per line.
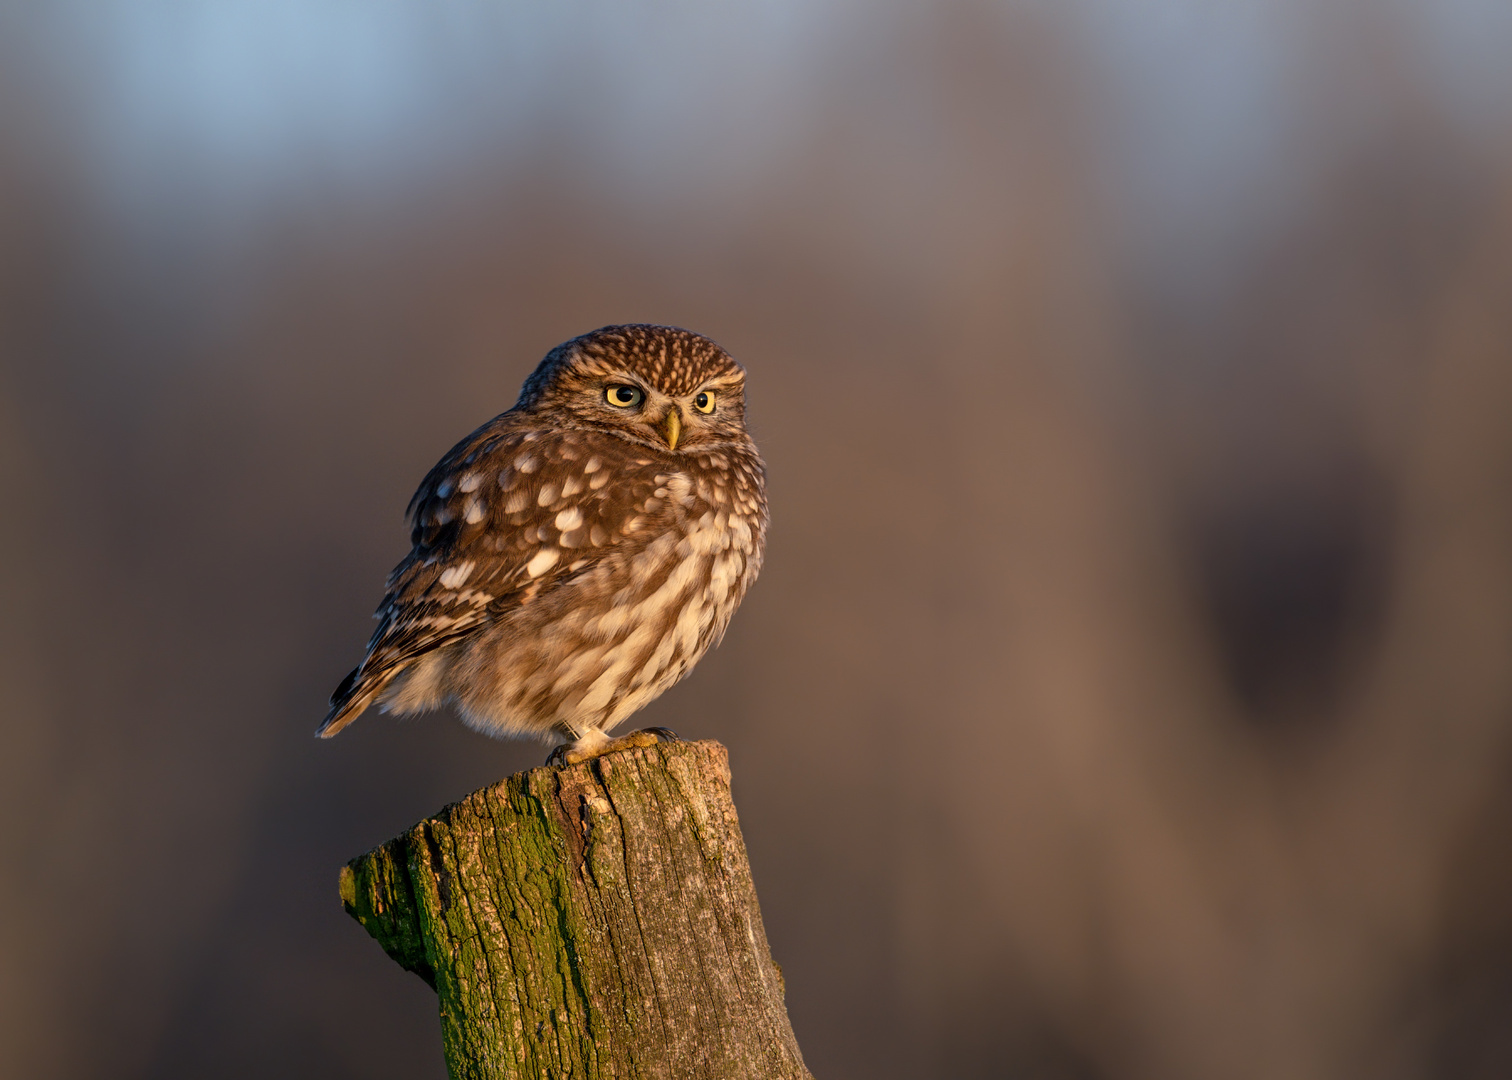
column 572, row 754
column 636, row 740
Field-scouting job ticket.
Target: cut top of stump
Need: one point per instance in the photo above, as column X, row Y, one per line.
column 595, row 920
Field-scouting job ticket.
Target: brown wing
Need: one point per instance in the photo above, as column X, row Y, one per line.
column 506, row 513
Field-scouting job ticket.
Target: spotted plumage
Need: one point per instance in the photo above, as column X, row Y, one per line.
column 577, row 555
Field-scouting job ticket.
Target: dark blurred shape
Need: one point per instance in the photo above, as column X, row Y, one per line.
column 1292, row 585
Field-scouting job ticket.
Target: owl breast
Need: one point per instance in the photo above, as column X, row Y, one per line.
column 620, row 625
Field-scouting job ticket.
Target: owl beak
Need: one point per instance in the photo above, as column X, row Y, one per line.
column 671, row 427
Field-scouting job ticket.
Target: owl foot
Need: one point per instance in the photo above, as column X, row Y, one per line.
column 573, row 754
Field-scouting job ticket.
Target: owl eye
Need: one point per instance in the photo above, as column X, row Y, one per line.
column 704, row 402
column 624, row 397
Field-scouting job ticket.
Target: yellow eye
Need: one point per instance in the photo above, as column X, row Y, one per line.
column 624, row 397
column 704, row 402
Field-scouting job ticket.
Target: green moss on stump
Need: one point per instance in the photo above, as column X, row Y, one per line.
column 597, row 920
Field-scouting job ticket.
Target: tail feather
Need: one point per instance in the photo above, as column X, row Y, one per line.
column 351, row 698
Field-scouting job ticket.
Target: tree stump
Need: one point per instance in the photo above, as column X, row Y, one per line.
column 591, row 921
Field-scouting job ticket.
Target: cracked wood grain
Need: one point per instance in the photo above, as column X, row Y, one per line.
column 593, row 921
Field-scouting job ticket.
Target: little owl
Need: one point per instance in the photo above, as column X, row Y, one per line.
column 577, row 555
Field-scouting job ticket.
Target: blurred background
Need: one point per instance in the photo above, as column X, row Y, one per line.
column 1128, row 691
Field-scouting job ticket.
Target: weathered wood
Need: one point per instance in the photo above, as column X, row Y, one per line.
column 597, row 920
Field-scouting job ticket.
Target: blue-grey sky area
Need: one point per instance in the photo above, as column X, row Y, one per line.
column 1206, row 107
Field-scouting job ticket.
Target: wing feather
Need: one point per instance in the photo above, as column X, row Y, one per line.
column 506, row 514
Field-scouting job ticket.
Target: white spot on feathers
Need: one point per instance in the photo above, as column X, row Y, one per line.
column 544, row 560
column 516, row 501
column 548, row 494
column 569, row 518
column 681, row 485
column 475, row 512
column 456, row 575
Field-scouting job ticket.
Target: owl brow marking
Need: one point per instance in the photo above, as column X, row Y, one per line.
column 614, row 376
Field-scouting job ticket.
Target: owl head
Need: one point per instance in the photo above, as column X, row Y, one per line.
column 662, row 387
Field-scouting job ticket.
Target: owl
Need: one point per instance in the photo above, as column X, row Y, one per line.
column 575, row 556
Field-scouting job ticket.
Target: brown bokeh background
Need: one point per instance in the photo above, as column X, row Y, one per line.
column 1128, row 691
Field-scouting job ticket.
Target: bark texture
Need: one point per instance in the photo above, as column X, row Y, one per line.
column 592, row 921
